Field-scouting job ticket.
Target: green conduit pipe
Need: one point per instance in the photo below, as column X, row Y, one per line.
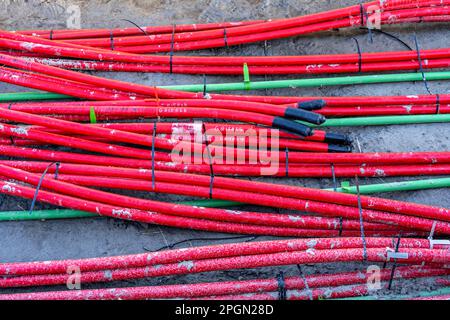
column 262, row 85
column 382, row 121
column 26, row 96
column 422, row 294
column 72, row 214
column 313, row 82
column 345, row 187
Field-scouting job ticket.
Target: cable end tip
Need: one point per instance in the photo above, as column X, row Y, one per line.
column 312, row 105
column 292, row 126
column 304, row 115
column 339, row 149
column 338, row 138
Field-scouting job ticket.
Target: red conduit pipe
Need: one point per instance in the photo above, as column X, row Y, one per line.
column 415, row 256
column 439, row 298
column 151, row 112
column 250, row 35
column 35, row 81
column 82, row 144
column 231, row 184
column 383, row 111
column 298, row 171
column 273, row 25
column 262, row 200
column 218, row 40
column 343, row 101
column 237, row 142
column 381, row 158
column 136, row 153
column 91, row 33
column 138, row 111
column 173, row 221
column 239, row 170
column 202, row 252
column 11, row 77
column 174, row 128
column 366, row 101
column 239, row 131
column 352, row 58
column 181, row 106
column 197, row 290
column 263, row 219
column 371, row 58
column 66, row 34
column 346, row 291
column 298, row 204
column 238, row 70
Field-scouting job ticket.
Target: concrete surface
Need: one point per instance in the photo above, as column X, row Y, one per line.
column 41, row 240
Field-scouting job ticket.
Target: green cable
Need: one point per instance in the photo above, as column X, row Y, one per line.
column 314, row 82
column 422, row 294
column 262, row 85
column 25, row 96
column 71, row 214
column 397, row 186
column 345, row 188
column 44, row 215
column 381, row 121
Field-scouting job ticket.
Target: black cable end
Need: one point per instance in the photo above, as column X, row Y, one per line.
column 291, row 126
column 303, row 115
column 339, row 149
column 312, row 104
column 338, row 138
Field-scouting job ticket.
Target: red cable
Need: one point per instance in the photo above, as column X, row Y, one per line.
column 415, row 256
column 66, row 34
column 298, row 204
column 197, row 290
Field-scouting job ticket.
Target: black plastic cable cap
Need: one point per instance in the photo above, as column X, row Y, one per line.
column 291, row 126
column 304, row 115
column 337, row 138
column 337, row 148
column 312, row 104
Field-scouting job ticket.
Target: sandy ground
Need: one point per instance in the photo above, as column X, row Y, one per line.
column 41, row 240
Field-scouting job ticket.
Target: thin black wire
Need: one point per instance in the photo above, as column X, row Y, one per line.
column 390, row 35
column 300, row 271
column 211, row 168
column 38, row 187
column 361, row 222
column 172, row 44
column 424, row 78
column 173, row 245
column 358, row 47
column 391, row 279
column 281, row 286
column 204, row 86
column 287, row 162
column 111, row 37
column 225, row 38
column 364, row 14
column 153, row 155
column 438, row 104
column 136, row 25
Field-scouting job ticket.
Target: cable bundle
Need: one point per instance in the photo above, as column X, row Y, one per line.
column 327, row 286
column 171, row 38
column 111, row 144
column 230, row 257
column 274, row 65
column 66, row 189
